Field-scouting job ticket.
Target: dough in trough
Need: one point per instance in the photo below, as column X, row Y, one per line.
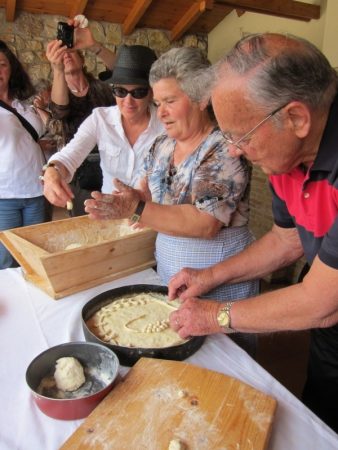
column 176, row 444
column 69, row 375
column 73, row 245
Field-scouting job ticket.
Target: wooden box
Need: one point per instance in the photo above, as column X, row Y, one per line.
column 104, row 251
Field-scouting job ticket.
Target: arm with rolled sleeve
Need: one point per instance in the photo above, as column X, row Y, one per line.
column 75, row 152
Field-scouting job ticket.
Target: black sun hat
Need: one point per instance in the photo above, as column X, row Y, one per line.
column 132, row 65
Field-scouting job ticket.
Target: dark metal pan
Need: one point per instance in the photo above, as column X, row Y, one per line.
column 128, row 356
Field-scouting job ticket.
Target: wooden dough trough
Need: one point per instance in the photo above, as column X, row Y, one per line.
column 103, row 254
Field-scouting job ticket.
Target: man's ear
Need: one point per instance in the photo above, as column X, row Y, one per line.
column 298, row 118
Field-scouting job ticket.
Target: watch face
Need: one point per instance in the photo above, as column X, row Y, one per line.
column 134, row 218
column 223, row 319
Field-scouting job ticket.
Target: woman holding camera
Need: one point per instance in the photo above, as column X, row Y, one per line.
column 123, row 133
column 75, row 93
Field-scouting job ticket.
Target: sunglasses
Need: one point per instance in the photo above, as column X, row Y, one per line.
column 135, row 93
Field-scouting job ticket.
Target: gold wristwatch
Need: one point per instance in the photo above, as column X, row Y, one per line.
column 224, row 319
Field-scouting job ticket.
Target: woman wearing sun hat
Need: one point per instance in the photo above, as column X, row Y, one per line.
column 123, row 133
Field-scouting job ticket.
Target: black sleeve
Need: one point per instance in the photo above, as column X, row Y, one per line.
column 280, row 212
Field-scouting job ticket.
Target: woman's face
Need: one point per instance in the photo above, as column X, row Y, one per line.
column 133, row 108
column 5, row 72
column 72, row 62
column 175, row 109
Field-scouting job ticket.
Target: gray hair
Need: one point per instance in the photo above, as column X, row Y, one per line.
column 183, row 64
column 280, row 69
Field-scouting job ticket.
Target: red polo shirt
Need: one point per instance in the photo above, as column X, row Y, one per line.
column 308, row 199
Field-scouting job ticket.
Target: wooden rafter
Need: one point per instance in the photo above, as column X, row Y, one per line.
column 135, row 14
column 78, row 7
column 10, row 10
column 193, row 13
column 209, row 4
column 289, row 9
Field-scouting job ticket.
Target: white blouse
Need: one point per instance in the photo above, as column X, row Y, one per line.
column 118, row 158
column 21, row 158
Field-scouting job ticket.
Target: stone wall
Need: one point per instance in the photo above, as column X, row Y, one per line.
column 30, row 33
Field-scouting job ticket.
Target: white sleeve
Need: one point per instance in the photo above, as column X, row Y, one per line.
column 76, row 151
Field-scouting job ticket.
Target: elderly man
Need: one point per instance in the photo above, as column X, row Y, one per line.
column 275, row 99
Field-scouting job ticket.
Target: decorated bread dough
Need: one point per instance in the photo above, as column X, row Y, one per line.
column 69, row 375
column 136, row 320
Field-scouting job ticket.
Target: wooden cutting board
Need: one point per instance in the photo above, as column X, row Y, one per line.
column 160, row 400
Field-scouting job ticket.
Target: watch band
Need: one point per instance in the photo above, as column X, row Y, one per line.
column 47, row 166
column 138, row 212
column 224, row 318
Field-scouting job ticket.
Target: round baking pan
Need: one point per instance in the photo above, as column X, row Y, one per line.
column 129, row 355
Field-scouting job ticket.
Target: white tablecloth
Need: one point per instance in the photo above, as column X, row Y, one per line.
column 31, row 321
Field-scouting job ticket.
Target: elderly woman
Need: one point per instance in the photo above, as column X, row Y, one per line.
column 198, row 200
column 21, row 199
column 123, row 133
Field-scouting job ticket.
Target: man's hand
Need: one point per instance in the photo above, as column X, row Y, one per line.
column 191, row 283
column 195, row 317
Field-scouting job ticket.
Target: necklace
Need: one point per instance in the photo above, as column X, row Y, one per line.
column 79, row 91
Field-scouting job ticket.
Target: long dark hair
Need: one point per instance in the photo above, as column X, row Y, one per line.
column 20, row 85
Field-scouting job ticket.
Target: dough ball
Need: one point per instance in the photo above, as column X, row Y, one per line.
column 83, row 21
column 176, row 444
column 69, row 374
column 69, row 205
column 73, row 245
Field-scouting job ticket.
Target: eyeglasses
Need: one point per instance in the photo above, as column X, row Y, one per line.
column 245, row 139
column 135, row 93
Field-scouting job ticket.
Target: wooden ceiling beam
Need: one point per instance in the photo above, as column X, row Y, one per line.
column 10, row 10
column 193, row 13
column 289, row 9
column 135, row 14
column 78, row 7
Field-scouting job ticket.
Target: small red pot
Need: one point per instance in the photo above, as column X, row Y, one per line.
column 100, row 365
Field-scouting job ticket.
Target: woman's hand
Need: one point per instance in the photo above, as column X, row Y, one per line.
column 195, row 317
column 191, row 283
column 55, row 189
column 83, row 37
column 119, row 205
column 54, row 53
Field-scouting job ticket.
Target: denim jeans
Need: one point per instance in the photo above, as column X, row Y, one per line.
column 19, row 212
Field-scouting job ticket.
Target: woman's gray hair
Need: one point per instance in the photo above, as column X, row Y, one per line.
column 183, row 64
column 280, row 69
